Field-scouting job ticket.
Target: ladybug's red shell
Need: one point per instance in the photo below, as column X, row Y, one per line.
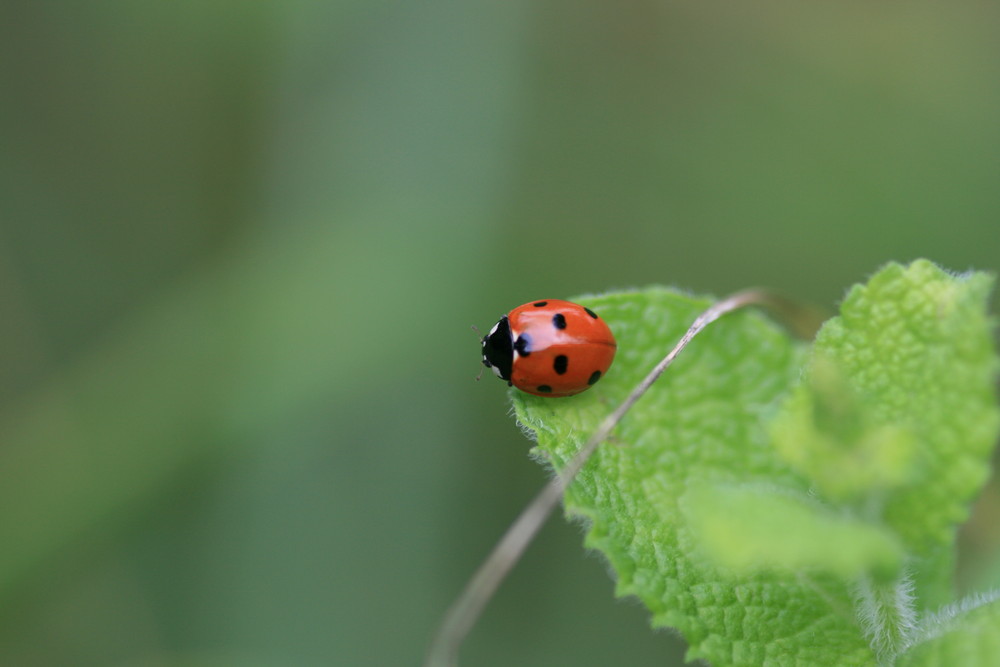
column 550, row 348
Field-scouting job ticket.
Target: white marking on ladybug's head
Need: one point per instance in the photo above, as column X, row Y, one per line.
column 497, row 353
column 486, row 362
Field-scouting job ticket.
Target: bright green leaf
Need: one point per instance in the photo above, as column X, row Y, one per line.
column 704, row 420
column 750, row 528
column 833, row 435
column 966, row 634
column 702, row 501
column 898, row 414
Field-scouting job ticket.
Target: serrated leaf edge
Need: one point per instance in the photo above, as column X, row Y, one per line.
column 939, row 623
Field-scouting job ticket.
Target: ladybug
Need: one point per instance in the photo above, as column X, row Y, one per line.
column 550, row 348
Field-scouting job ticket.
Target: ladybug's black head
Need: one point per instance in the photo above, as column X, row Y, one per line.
column 498, row 349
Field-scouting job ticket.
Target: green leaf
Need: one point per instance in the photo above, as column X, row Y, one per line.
column 765, row 498
column 704, row 421
column 898, row 414
column 831, row 434
column 967, row 634
column 752, row 528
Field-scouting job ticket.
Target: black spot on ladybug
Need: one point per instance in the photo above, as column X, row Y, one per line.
column 558, row 321
column 522, row 344
column 544, row 388
column 560, row 364
column 594, row 377
column 540, row 304
column 590, row 312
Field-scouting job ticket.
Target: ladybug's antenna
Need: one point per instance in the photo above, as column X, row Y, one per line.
column 480, row 337
column 463, row 613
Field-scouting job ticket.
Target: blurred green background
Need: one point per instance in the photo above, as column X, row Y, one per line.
column 242, row 243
